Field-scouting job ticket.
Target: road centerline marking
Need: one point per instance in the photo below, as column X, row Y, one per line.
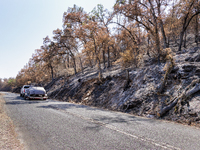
column 111, row 127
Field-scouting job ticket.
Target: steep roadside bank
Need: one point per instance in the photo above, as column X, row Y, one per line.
column 155, row 91
column 8, row 136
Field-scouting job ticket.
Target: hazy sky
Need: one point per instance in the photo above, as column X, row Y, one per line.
column 24, row 24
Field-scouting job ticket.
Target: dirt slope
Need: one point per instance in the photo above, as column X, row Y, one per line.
column 139, row 95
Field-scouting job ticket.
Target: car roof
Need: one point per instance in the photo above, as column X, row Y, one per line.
column 26, row 86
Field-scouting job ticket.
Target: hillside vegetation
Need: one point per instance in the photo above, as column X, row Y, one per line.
column 141, row 58
column 153, row 90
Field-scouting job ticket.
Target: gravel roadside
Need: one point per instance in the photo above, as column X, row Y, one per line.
column 8, row 136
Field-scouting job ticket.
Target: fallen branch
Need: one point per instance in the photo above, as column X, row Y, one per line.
column 183, row 97
column 195, row 89
column 167, row 108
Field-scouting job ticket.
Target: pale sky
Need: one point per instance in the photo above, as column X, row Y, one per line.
column 24, row 24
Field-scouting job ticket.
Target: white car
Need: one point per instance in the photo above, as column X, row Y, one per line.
column 24, row 90
column 34, row 92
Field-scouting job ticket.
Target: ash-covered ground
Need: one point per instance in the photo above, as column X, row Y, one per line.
column 139, row 94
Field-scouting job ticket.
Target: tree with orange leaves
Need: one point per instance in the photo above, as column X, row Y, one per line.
column 147, row 14
column 188, row 9
column 46, row 55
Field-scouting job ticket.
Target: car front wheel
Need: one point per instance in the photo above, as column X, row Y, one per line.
column 26, row 97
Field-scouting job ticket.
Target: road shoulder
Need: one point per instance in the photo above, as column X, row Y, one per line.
column 8, row 136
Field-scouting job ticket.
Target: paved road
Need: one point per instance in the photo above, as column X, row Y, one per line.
column 44, row 125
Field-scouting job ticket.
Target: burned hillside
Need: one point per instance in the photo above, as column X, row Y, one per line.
column 131, row 59
column 138, row 90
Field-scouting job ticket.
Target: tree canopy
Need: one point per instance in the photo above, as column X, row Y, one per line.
column 98, row 38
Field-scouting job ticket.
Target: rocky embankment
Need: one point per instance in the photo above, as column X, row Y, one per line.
column 151, row 90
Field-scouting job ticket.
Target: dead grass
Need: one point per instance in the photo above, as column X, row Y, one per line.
column 8, row 136
column 65, row 72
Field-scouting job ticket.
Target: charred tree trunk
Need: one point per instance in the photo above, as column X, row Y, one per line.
column 114, row 52
column 189, row 91
column 81, row 65
column 74, row 64
column 52, row 73
column 186, row 22
column 156, row 34
column 64, row 63
column 99, row 68
column 108, row 65
column 175, row 39
column 185, row 39
column 139, row 35
column 148, row 45
column 196, row 30
column 68, row 61
column 104, row 59
column 181, row 40
column 166, row 45
column 157, row 46
column 167, row 108
column 90, row 61
column 168, row 40
column 126, row 85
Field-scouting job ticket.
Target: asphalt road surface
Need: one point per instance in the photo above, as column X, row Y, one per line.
column 45, row 125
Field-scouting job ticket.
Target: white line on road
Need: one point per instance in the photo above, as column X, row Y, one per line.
column 162, row 145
